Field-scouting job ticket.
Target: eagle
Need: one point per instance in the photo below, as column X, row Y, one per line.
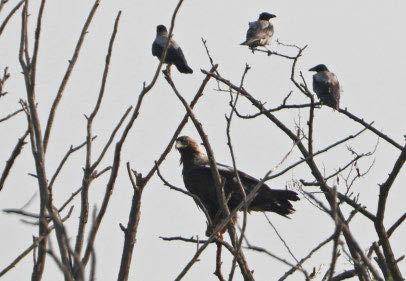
column 174, row 54
column 198, row 180
column 259, row 32
column 326, row 86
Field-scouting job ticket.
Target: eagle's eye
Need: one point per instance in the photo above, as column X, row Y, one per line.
column 181, row 144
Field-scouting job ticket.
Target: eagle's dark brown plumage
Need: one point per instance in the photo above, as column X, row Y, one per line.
column 199, row 181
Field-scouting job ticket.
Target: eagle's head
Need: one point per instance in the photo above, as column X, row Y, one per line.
column 190, row 150
column 186, row 143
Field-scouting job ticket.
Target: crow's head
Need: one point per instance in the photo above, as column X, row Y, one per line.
column 319, row 68
column 266, row 16
column 161, row 29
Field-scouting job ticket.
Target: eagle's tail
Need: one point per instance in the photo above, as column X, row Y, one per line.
column 277, row 201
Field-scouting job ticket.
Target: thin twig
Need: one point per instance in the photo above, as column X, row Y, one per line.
column 10, row 15
column 68, row 72
column 14, row 154
column 11, row 115
column 117, row 152
column 370, row 127
column 31, row 247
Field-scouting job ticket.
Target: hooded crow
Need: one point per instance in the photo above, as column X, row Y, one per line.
column 199, row 181
column 259, row 32
column 174, row 54
column 326, row 86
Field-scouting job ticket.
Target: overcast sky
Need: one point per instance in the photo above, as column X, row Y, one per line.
column 361, row 41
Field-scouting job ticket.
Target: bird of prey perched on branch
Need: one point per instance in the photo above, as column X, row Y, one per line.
column 198, row 180
column 259, row 32
column 326, row 86
column 174, row 54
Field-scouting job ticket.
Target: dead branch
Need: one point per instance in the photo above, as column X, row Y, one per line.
column 370, row 127
column 233, row 105
column 14, row 154
column 89, row 168
column 195, row 198
column 132, row 226
column 34, row 245
column 9, row 16
column 355, row 250
column 299, row 264
column 380, row 213
column 11, row 115
column 217, row 180
column 117, row 152
column 65, row 79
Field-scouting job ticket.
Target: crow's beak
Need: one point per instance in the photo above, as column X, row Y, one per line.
column 272, row 16
column 312, row 69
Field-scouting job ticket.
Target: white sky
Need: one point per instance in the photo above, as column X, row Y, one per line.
column 361, row 41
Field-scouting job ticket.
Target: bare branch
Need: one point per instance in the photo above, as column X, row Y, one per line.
column 370, row 127
column 14, row 154
column 196, row 198
column 68, row 72
column 130, row 232
column 11, row 115
column 89, row 169
column 9, row 16
column 217, row 179
column 282, row 260
column 110, row 140
column 379, row 225
column 392, row 229
column 119, row 145
column 64, row 159
column 182, row 124
column 309, row 255
column 132, row 225
column 355, row 249
column 31, row 247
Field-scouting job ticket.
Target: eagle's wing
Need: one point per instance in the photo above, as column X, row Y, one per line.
column 267, row 199
column 199, row 181
column 227, row 172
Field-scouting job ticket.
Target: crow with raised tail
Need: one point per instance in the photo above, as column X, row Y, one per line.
column 259, row 32
column 326, row 86
column 198, row 180
column 174, row 54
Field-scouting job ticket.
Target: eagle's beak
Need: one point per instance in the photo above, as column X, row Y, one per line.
column 177, row 145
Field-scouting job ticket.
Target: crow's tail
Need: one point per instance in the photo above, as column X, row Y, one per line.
column 183, row 68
